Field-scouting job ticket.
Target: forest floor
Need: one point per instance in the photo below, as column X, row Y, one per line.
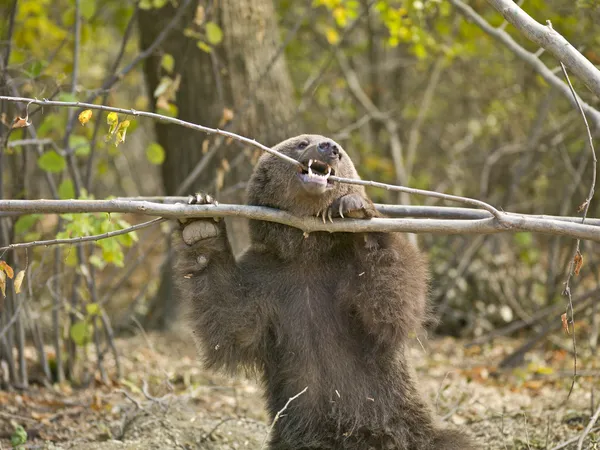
column 165, row 400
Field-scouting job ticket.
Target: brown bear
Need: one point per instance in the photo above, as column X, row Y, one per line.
column 328, row 311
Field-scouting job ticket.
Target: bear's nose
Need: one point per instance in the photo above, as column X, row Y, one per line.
column 328, row 149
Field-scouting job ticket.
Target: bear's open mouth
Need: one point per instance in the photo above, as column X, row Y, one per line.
column 317, row 173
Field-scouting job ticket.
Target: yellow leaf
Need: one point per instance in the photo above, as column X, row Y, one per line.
column 112, row 120
column 6, row 268
column 85, row 116
column 332, row 36
column 19, row 280
column 121, row 132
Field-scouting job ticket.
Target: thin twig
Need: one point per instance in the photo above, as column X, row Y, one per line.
column 528, row 57
column 290, row 400
column 81, row 239
column 588, row 429
column 550, row 40
column 252, row 142
column 585, row 207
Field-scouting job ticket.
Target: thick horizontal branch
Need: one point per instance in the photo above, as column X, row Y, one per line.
column 425, row 212
column 552, row 41
column 530, row 58
column 509, row 221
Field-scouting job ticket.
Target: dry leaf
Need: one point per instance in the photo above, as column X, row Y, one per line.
column 226, row 117
column 85, row 116
column 565, row 323
column 578, row 260
column 199, row 17
column 3, row 283
column 225, row 164
column 6, row 268
column 220, row 177
column 21, row 122
column 19, row 280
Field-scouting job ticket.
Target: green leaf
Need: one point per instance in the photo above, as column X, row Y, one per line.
column 80, row 145
column 155, row 153
column 204, row 46
column 24, row 223
column 67, row 97
column 213, row 33
column 121, row 132
column 19, row 437
column 168, row 62
column 51, row 122
column 35, row 68
column 87, row 8
column 92, row 309
column 66, row 189
column 52, row 162
column 80, row 333
column 523, row 239
column 164, row 84
column 97, row 262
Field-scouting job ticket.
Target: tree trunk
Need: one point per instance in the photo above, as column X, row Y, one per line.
column 240, row 74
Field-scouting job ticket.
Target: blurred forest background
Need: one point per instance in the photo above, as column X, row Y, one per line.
column 416, row 93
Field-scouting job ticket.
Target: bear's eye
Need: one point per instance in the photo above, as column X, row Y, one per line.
column 302, row 145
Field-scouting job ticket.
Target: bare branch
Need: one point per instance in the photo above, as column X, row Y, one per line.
column 81, row 239
column 510, row 222
column 252, row 142
column 550, row 40
column 530, row 58
column 585, row 207
column 588, row 429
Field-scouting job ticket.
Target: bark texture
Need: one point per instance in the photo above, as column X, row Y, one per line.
column 242, row 74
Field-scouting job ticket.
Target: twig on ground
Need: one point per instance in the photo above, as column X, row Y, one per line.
column 588, row 429
column 130, row 398
column 568, row 442
column 278, row 415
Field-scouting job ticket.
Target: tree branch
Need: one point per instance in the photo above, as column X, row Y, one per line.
column 252, row 142
column 81, row 239
column 530, row 58
column 510, row 222
column 550, row 40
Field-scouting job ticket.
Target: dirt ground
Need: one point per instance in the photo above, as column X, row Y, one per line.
column 165, row 400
